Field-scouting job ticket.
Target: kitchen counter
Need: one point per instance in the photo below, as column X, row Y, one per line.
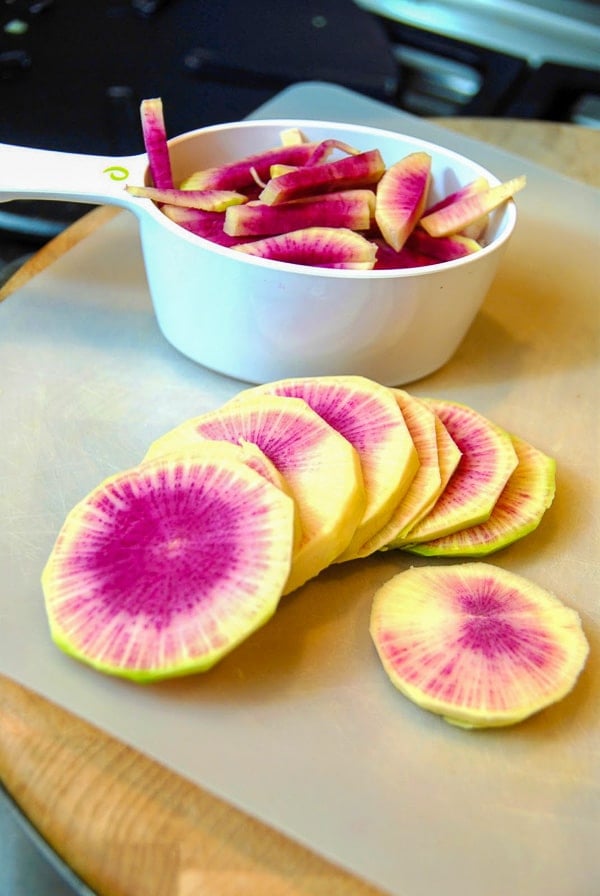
column 97, row 801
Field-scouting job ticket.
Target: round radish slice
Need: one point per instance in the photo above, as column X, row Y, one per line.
column 517, row 512
column 165, row 568
column 426, row 485
column 476, row 644
column 487, row 460
column 321, row 468
column 369, row 417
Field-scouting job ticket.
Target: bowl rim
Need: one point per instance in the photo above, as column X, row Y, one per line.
column 509, row 210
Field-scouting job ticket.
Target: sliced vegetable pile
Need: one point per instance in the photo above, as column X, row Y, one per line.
column 164, row 568
column 324, row 204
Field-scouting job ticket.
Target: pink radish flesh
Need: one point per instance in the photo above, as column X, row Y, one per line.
column 351, row 172
column 348, row 208
column 316, row 246
column 155, row 141
column 164, row 568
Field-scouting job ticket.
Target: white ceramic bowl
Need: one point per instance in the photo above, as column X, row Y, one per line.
column 257, row 320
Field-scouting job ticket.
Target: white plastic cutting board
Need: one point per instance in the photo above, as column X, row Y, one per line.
column 299, row 726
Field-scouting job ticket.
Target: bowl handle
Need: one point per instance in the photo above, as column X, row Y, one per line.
column 29, row 173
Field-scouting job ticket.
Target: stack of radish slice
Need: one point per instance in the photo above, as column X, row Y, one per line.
column 165, row 568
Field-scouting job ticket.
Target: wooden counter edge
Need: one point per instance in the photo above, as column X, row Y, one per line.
column 128, row 826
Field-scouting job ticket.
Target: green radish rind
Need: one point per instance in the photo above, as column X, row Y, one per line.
column 476, row 644
column 488, row 459
column 165, row 568
column 518, row 511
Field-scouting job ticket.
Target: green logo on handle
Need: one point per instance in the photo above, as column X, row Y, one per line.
column 116, row 172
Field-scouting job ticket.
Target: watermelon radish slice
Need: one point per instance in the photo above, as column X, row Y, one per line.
column 471, row 189
column 208, row 200
column 475, row 229
column 456, row 216
column 368, row 416
column 320, row 467
column 165, row 568
column 426, row 484
column 518, row 511
column 242, row 173
column 441, row 248
column 350, row 172
column 352, row 209
column 487, row 460
column 334, row 247
column 155, row 141
column 401, row 196
column 205, row 224
column 476, row 644
column 292, row 136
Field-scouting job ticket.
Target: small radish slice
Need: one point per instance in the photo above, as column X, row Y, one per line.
column 320, row 467
column 401, row 196
column 476, row 228
column 368, row 416
column 292, row 136
column 205, row 224
column 348, row 173
column 463, row 213
column 239, row 174
column 155, row 141
column 164, row 568
column 487, row 460
column 426, row 484
column 518, row 511
column 479, row 185
column 348, row 208
column 208, row 200
column 325, row 149
column 476, row 644
column 442, row 248
column 316, row 246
